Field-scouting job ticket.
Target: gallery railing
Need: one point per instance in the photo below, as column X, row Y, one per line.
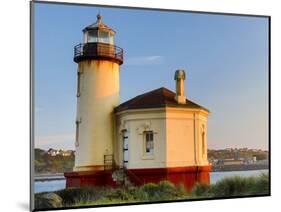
column 85, row 51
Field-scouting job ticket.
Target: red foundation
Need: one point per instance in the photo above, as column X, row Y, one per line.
column 186, row 176
column 89, row 178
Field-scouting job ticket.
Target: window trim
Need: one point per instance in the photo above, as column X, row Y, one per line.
column 147, row 155
column 78, row 84
column 203, row 141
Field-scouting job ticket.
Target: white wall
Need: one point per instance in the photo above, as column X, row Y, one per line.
column 180, row 139
column 177, row 140
column 99, row 94
column 184, row 140
column 135, row 123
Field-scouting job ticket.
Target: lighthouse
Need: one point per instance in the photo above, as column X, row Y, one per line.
column 98, row 88
column 158, row 135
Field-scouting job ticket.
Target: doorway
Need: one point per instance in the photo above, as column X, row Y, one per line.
column 125, row 149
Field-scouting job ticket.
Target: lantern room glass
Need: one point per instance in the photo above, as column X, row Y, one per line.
column 100, row 36
column 111, row 38
column 103, row 37
column 91, row 36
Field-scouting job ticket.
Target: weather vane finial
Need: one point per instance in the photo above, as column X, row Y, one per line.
column 99, row 17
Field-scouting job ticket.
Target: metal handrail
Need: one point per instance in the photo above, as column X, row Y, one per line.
column 97, row 49
column 140, row 182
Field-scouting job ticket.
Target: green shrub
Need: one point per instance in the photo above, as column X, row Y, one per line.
column 71, row 196
column 148, row 191
column 162, row 191
column 137, row 194
column 202, row 190
column 228, row 187
column 241, row 186
column 119, row 194
column 168, row 188
column 233, row 186
column 261, row 185
column 47, row 200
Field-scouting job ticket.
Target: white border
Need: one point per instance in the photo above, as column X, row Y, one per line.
column 15, row 102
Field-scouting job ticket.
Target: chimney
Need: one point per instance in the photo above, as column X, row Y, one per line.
column 180, row 77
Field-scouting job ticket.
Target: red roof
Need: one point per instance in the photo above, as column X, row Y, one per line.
column 161, row 97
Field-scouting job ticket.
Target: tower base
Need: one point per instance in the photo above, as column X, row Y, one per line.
column 185, row 176
column 89, row 178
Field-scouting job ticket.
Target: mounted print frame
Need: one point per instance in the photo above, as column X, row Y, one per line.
column 140, row 106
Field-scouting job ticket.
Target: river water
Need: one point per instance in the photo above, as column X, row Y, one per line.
column 53, row 185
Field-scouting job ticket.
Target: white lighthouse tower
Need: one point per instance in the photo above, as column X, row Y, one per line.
column 99, row 63
column 158, row 135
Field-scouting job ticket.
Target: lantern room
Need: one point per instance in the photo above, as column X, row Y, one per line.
column 98, row 32
column 98, row 43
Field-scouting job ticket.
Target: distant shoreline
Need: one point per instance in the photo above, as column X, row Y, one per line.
column 229, row 168
column 48, row 177
column 48, row 174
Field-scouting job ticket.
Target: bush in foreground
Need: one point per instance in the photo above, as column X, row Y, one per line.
column 202, row 190
column 148, row 192
column 48, row 200
column 73, row 196
column 163, row 191
column 233, row 186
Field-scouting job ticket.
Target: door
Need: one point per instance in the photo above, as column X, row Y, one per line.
column 125, row 149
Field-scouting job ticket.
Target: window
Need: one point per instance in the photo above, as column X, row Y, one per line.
column 203, row 141
column 149, row 147
column 78, row 84
column 111, row 38
column 92, row 36
column 103, row 37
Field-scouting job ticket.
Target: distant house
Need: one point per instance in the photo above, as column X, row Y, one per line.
column 250, row 160
column 68, row 153
column 229, row 161
column 232, row 161
column 53, row 152
column 60, row 152
column 263, row 162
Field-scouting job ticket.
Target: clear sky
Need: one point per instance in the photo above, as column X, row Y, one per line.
column 225, row 58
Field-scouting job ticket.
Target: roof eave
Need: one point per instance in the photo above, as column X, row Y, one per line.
column 117, row 111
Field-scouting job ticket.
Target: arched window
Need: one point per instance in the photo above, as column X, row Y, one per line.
column 203, row 140
column 78, row 84
column 203, row 143
column 148, row 145
column 79, row 75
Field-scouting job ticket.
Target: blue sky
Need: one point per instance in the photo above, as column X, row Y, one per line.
column 225, row 58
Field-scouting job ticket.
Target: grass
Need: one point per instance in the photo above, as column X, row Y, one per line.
column 149, row 192
column 163, row 191
column 234, row 186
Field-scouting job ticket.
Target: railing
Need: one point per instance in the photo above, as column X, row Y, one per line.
column 98, row 51
column 136, row 179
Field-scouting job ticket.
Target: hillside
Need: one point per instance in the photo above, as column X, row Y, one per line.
column 237, row 153
column 47, row 164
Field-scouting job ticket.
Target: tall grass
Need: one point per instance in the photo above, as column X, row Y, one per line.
column 234, row 186
column 163, row 191
column 148, row 192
